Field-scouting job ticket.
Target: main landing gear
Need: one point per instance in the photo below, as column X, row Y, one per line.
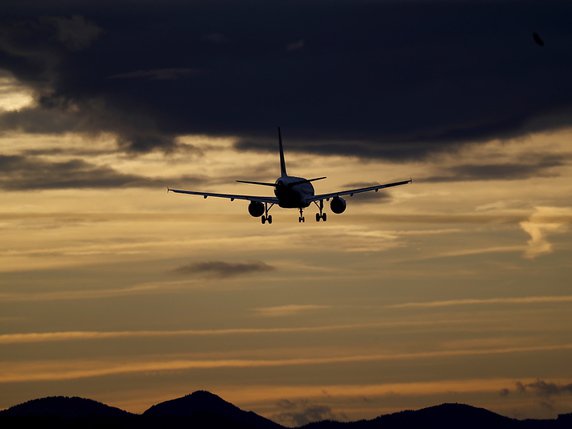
column 323, row 216
column 266, row 217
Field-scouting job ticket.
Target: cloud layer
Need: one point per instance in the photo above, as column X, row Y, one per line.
column 362, row 78
column 24, row 173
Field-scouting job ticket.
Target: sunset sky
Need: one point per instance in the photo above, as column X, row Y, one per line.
column 455, row 288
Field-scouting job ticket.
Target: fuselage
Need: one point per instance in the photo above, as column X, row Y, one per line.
column 293, row 192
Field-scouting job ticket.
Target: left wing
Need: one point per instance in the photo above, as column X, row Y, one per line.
column 351, row 192
column 232, row 197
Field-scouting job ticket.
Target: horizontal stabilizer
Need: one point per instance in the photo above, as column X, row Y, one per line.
column 256, row 183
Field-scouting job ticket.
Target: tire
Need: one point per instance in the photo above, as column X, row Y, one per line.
column 263, row 220
column 318, row 217
column 269, row 219
column 324, row 217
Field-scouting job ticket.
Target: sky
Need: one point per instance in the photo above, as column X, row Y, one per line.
column 454, row 288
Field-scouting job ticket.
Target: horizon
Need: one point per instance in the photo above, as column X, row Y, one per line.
column 455, row 288
column 194, row 395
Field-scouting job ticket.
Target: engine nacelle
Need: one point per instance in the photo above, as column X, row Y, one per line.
column 338, row 205
column 256, row 208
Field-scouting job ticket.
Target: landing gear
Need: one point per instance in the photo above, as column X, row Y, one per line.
column 323, row 216
column 301, row 217
column 266, row 217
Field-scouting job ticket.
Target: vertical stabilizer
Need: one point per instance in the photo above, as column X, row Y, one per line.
column 282, row 162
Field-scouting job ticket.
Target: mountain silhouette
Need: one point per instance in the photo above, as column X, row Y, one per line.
column 204, row 410
column 63, row 407
column 441, row 416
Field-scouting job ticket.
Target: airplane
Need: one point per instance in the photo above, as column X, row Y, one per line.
column 292, row 193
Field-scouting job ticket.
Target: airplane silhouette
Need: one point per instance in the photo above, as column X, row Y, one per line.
column 292, row 193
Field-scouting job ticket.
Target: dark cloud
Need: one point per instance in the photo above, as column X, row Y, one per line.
column 299, row 413
column 540, row 166
column 21, row 173
column 157, row 74
column 544, row 389
column 75, row 33
column 215, row 38
column 294, row 46
column 504, row 392
column 223, row 269
column 365, row 78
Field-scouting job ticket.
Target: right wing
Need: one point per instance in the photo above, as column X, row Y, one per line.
column 232, row 197
column 351, row 192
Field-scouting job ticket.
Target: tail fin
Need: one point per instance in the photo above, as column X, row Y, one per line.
column 282, row 162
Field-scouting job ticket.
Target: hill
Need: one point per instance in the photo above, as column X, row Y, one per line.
column 204, row 410
column 63, row 407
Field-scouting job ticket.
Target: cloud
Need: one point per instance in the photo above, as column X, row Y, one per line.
column 221, row 269
column 543, row 221
column 288, row 310
column 546, row 391
column 295, row 46
column 540, row 167
column 525, row 300
column 17, row 372
column 44, row 337
column 21, row 173
column 360, row 86
column 544, row 388
column 504, row 392
column 13, row 95
column 215, row 38
column 301, row 412
column 75, row 33
column 157, row 74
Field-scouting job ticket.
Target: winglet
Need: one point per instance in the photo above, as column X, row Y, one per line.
column 282, row 161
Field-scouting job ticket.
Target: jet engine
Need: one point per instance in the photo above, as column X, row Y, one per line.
column 338, row 205
column 256, row 208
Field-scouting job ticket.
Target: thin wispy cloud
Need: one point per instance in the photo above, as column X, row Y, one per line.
column 60, row 336
column 15, row 372
column 486, row 301
column 72, row 295
column 288, row 310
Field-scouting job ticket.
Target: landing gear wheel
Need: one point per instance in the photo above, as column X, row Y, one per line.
column 263, row 219
column 303, row 219
column 318, row 217
column 269, row 219
column 324, row 217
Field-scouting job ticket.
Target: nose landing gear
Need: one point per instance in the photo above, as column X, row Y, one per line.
column 301, row 217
